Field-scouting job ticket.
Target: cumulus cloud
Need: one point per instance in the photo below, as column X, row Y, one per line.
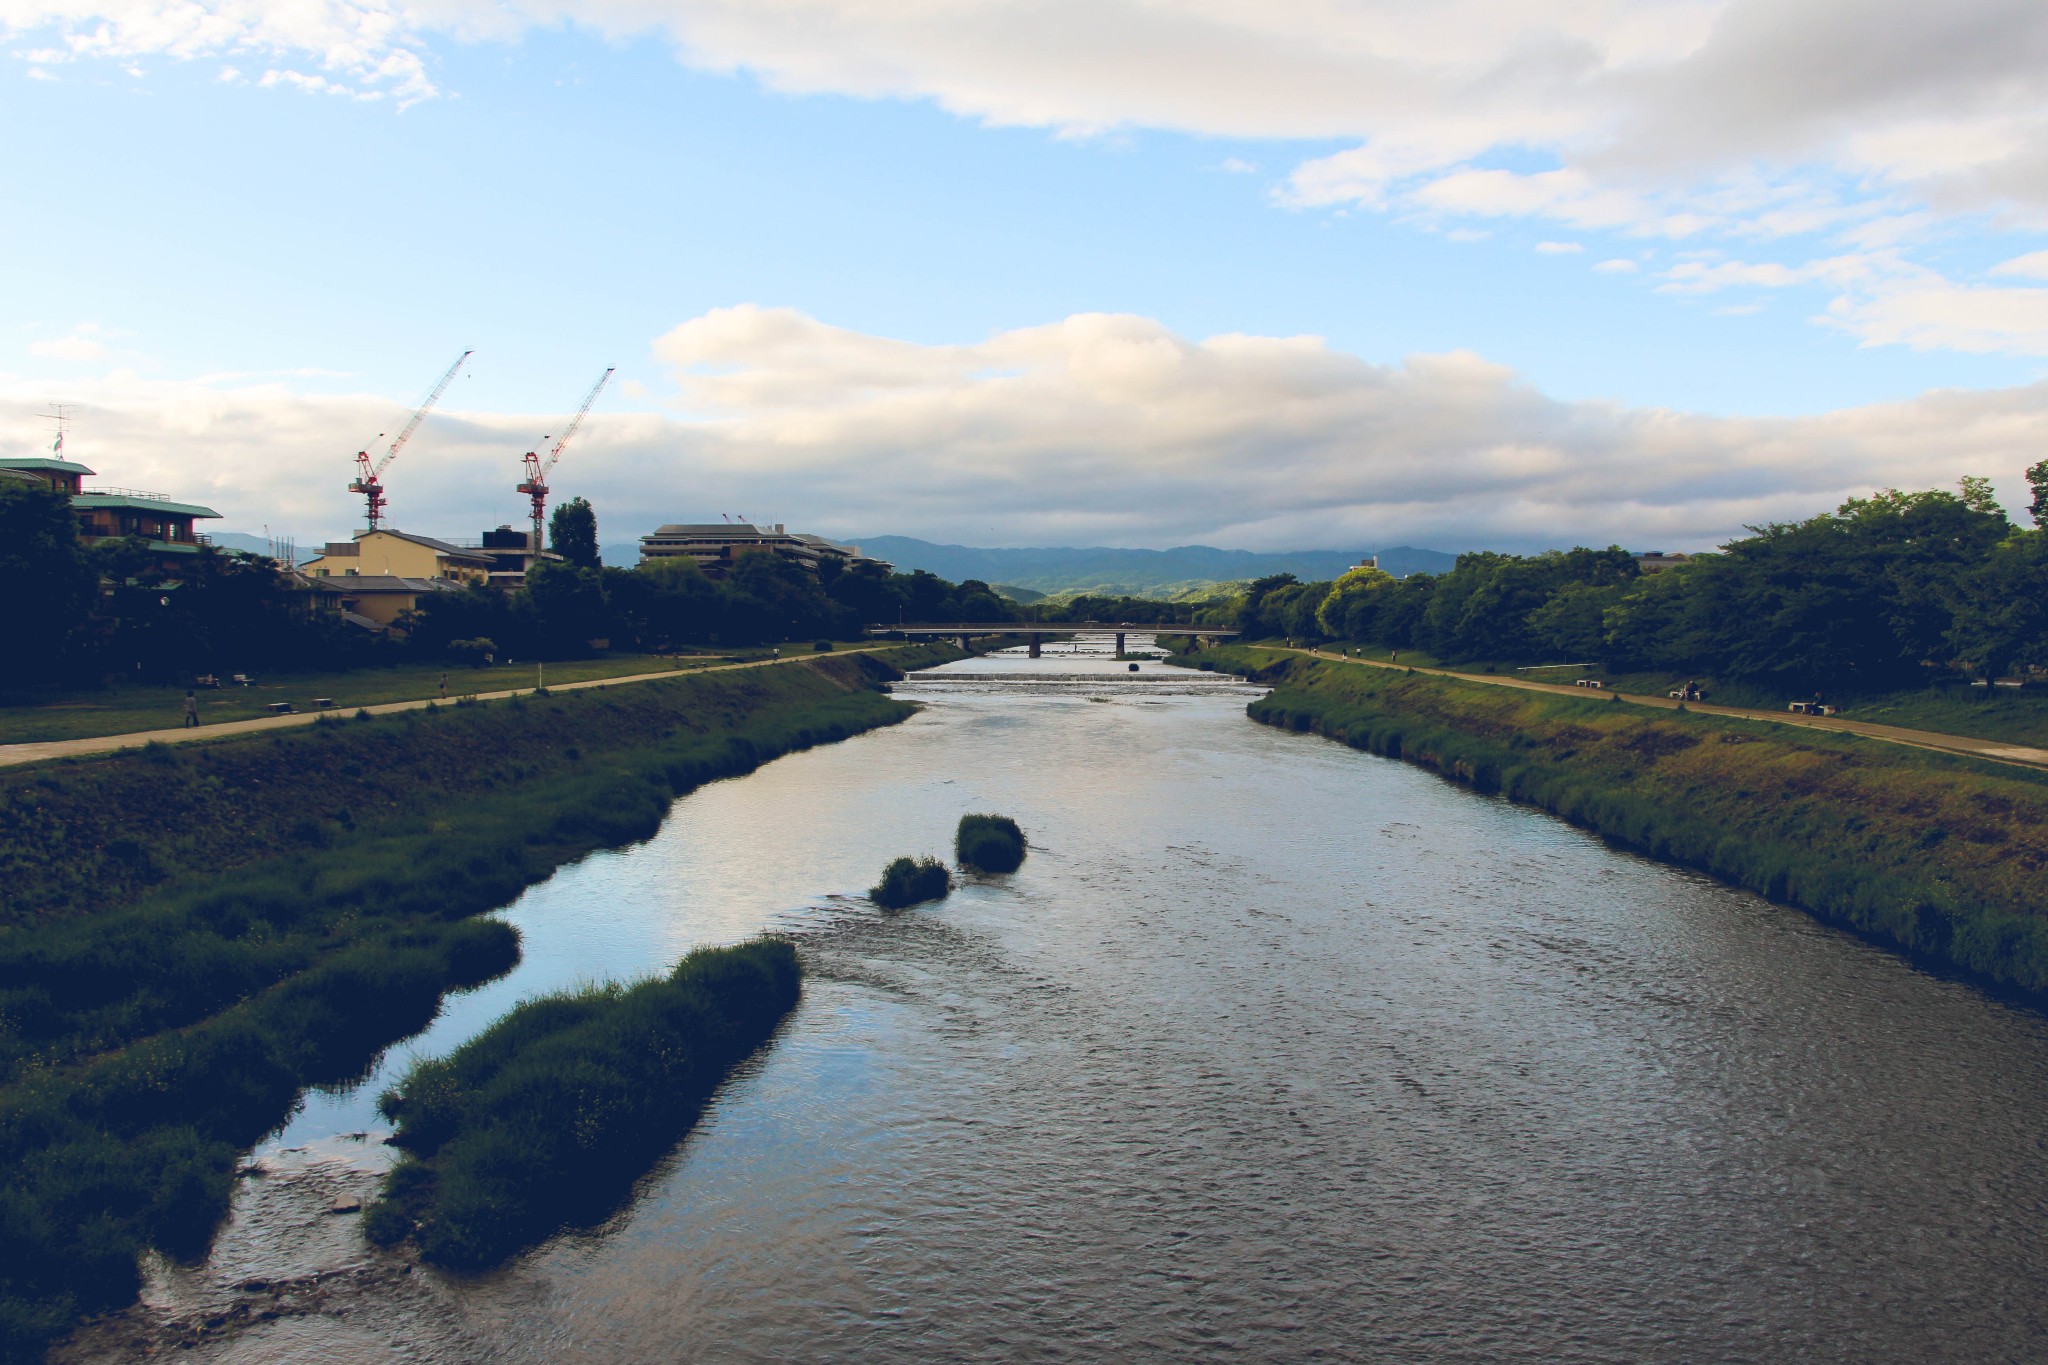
column 2033, row 265
column 78, row 348
column 1095, row 428
column 1875, row 120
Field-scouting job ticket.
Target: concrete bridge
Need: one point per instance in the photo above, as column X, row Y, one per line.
column 1036, row 631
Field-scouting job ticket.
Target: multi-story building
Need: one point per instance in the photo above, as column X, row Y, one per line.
column 716, row 548
column 378, row 575
column 388, row 553
column 108, row 513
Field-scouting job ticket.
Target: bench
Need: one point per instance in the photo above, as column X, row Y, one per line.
column 279, row 708
column 243, row 679
column 1587, row 682
column 322, row 703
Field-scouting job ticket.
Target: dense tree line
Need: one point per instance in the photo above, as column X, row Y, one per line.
column 1887, row 591
column 83, row 613
column 668, row 603
column 1135, row 610
column 78, row 613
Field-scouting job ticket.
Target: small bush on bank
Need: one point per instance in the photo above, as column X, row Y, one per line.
column 907, row 882
column 546, row 1119
column 989, row 843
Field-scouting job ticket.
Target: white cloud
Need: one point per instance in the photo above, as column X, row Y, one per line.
column 2033, row 265
column 1619, row 265
column 1944, row 101
column 371, row 47
column 77, row 348
column 1879, row 121
column 1239, row 166
column 1931, row 313
column 1092, row 429
column 1559, row 248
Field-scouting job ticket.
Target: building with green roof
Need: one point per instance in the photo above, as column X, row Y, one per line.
column 107, row 513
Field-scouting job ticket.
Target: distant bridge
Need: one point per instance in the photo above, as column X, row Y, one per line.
column 1038, row 630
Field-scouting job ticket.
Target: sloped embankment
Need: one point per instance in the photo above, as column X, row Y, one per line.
column 193, row 934
column 1936, row 855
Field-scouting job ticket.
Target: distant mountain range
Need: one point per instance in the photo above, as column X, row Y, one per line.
column 256, row 545
column 1065, row 571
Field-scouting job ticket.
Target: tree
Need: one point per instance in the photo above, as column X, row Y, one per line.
column 1348, row 609
column 572, row 533
column 569, row 608
column 47, row 582
column 1978, row 497
column 2037, row 479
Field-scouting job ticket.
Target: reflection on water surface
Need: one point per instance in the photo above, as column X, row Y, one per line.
column 1272, row 1050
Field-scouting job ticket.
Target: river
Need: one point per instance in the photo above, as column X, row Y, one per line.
column 1272, row 1051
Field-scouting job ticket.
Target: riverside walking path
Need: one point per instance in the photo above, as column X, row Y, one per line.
column 11, row 754
column 1995, row 751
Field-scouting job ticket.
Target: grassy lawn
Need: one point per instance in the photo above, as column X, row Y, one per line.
column 2015, row 715
column 120, row 710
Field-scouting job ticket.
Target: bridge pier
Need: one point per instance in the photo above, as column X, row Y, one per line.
column 965, row 648
column 1037, row 644
column 1119, row 644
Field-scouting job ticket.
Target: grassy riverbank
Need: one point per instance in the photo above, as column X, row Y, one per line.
column 545, row 1120
column 190, row 935
column 126, row 708
column 1938, row 856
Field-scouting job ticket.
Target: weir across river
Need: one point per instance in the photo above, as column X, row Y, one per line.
column 1036, row 631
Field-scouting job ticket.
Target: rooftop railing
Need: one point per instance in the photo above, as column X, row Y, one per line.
column 132, row 493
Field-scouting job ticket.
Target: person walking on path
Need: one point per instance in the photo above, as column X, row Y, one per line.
column 191, row 710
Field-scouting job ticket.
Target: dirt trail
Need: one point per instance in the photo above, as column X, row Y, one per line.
column 102, row 744
column 1995, row 751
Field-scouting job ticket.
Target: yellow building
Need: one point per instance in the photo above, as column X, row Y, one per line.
column 375, row 601
column 398, row 554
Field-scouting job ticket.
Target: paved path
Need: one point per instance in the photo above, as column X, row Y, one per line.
column 101, row 744
column 1996, row 751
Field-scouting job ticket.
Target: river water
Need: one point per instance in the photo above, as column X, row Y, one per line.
column 1271, row 1051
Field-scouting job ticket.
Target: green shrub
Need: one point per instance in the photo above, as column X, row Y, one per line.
column 475, row 652
column 989, row 843
column 178, row 961
column 907, row 882
column 546, row 1119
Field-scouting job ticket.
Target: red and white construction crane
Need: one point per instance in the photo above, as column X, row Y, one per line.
column 369, row 478
column 537, row 469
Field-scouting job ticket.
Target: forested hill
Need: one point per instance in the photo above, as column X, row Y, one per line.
column 1136, row 573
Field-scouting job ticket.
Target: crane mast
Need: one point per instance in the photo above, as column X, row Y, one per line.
column 369, row 478
column 537, row 470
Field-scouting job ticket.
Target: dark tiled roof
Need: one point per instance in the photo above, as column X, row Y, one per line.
column 443, row 546
column 346, row 585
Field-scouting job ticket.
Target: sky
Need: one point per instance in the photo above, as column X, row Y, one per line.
column 1255, row 273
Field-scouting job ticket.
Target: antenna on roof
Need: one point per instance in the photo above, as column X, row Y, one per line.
column 60, row 413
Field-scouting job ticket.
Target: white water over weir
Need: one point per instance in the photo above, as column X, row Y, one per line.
column 1272, row 1050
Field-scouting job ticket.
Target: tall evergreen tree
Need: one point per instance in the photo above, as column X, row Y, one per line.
column 572, row 533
